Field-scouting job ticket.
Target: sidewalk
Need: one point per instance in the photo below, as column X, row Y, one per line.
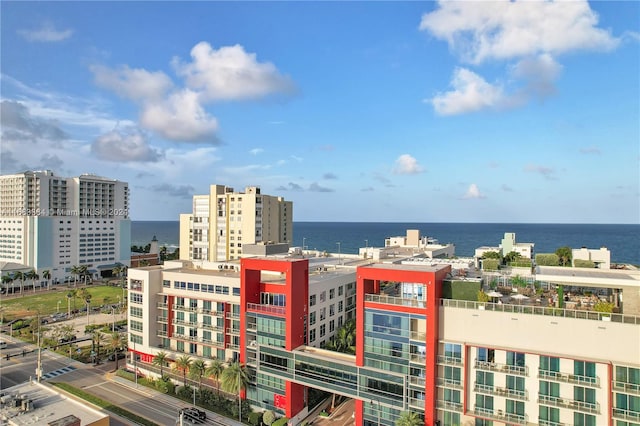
column 169, row 400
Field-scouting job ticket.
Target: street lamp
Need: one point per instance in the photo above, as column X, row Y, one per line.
column 113, row 313
column 58, row 310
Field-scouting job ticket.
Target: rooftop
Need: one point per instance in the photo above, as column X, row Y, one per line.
column 46, row 406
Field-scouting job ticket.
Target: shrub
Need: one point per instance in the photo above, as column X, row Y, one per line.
column 582, row 263
column 268, row 417
column 184, row 392
column 482, row 296
column 547, row 259
column 255, row 418
column 490, row 264
column 280, row 422
column 602, row 306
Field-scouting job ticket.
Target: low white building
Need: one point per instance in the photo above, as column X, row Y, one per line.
column 601, row 257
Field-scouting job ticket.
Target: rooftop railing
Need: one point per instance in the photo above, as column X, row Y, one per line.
column 268, row 309
column 541, row 310
column 392, row 300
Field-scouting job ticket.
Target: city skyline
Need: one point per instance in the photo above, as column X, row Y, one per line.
column 405, row 112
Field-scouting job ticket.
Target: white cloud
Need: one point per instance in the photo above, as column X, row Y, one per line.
column 256, row 151
column 591, row 150
column 473, row 192
column 539, row 75
column 470, row 93
column 133, row 83
column 481, row 30
column 124, row 145
column 180, row 117
column 230, row 73
column 547, row 172
column 407, row 165
column 46, row 33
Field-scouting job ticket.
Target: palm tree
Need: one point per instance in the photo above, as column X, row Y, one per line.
column 84, row 271
column 160, row 360
column 183, row 363
column 46, row 274
column 116, row 271
column 75, row 271
column 117, row 342
column 235, row 379
column 6, row 279
column 409, row 418
column 19, row 276
column 564, row 255
column 197, row 370
column 215, row 370
column 96, row 340
column 33, row 276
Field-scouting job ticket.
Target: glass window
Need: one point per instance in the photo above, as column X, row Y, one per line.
column 312, row 318
column 549, row 388
column 581, row 419
column 515, row 359
column 550, row 363
column 452, row 350
column 549, row 414
column 582, row 368
column 486, row 355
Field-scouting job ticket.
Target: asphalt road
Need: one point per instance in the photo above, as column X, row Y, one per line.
column 98, row 380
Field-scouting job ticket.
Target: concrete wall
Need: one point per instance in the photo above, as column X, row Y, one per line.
column 599, row 341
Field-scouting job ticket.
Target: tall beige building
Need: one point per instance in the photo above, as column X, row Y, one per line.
column 225, row 220
column 52, row 223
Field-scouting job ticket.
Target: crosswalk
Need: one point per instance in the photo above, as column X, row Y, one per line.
column 58, row 372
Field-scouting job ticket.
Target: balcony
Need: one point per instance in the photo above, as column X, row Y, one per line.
column 500, row 416
column 232, row 330
column 185, row 337
column 162, row 305
column 551, row 423
column 417, row 381
column 185, row 322
column 626, row 387
column 502, row 368
column 161, row 333
column 418, row 358
column 628, row 415
column 233, row 347
column 267, row 309
column 213, row 327
column 416, row 403
column 392, row 300
column 586, row 407
column 449, row 360
column 569, row 378
column 448, row 405
column 418, row 335
column 185, row 308
column 449, row 383
column 162, row 319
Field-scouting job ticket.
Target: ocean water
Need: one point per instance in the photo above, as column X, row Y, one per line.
column 622, row 240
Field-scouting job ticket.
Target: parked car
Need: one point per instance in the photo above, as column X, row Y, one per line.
column 112, row 357
column 67, row 339
column 193, row 413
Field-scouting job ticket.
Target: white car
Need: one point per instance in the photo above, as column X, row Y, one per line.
column 3, row 344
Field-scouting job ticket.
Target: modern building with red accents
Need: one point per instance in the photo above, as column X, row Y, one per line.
column 420, row 346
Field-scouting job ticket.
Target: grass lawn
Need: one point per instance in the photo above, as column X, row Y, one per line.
column 46, row 303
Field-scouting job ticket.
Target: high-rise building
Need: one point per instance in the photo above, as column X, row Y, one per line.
column 225, row 220
column 54, row 223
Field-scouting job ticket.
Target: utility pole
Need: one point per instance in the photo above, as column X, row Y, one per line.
column 39, row 365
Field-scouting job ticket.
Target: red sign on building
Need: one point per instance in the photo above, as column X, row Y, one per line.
column 280, row 401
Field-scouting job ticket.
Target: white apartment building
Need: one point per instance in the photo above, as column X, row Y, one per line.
column 182, row 308
column 224, row 220
column 53, row 223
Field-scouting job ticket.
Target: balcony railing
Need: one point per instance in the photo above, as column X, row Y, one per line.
column 587, row 407
column 231, row 330
column 626, row 387
column 512, row 393
column 569, row 378
column 500, row 416
column 502, row 368
column 449, row 360
column 162, row 319
column 418, row 358
column 392, row 300
column 541, row 310
column 417, row 381
column 450, row 383
column 213, row 327
column 416, row 403
column 162, row 305
column 620, row 413
column 185, row 337
column 162, row 333
column 185, row 308
column 448, row 405
column 551, row 423
column 185, row 322
column 418, row 335
column 267, row 309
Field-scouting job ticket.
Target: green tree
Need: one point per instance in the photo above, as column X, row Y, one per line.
column 409, row 418
column 482, row 296
column 117, row 342
column 96, row 341
column 75, row 271
column 268, row 417
column 46, row 274
column 160, row 360
column 197, row 370
column 512, row 256
column 564, row 255
column 345, row 338
column 235, row 379
column 602, row 306
column 491, row 255
column 6, row 280
column 183, row 364
column 19, row 275
column 214, row 370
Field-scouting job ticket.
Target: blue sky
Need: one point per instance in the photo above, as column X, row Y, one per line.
column 355, row 111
